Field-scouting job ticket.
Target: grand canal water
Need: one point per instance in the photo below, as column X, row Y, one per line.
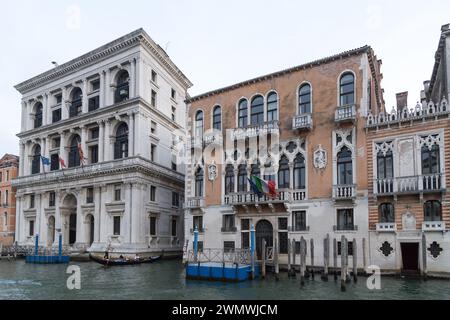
column 165, row 280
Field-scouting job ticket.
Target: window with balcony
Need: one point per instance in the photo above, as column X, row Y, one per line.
column 122, row 92
column 255, row 170
column 257, row 111
column 432, row 210
column 345, row 219
column 272, row 106
column 299, row 221
column 299, row 172
column 344, row 167
column 36, row 160
column 229, row 179
column 243, row 114
column 284, row 173
column 347, row 89
column 93, row 154
column 199, row 124
column 242, row 178
column 217, row 118
column 197, row 223
column 430, row 159
column 304, row 99
column 121, row 143
column 76, row 103
column 74, row 154
column 38, row 111
column 386, row 213
column 199, row 176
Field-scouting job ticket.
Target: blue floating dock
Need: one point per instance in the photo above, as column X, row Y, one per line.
column 47, row 259
column 215, row 271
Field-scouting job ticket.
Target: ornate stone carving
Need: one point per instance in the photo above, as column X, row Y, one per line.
column 212, row 171
column 384, row 147
column 386, row 248
column 409, row 221
column 435, row 249
column 430, row 140
column 320, row 158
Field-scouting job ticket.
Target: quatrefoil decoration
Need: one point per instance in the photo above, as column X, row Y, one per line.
column 386, row 248
column 435, row 249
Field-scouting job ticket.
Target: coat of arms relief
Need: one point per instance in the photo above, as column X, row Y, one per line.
column 320, row 158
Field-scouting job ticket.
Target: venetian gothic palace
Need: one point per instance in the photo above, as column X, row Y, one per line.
column 344, row 165
column 114, row 154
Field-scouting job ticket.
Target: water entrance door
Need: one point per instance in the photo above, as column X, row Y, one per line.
column 264, row 230
column 410, row 257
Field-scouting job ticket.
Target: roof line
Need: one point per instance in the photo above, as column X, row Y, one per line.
column 348, row 53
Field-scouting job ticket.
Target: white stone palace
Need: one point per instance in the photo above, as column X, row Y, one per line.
column 123, row 105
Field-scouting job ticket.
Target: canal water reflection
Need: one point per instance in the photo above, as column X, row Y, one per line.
column 165, row 280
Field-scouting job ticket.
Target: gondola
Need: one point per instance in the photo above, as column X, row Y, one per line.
column 123, row 262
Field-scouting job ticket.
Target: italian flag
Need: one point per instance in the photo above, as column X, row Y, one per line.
column 264, row 187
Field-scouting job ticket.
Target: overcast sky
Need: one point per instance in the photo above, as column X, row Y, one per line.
column 217, row 43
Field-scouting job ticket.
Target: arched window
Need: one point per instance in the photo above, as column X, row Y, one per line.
column 430, row 159
column 243, row 114
column 257, row 111
column 76, row 102
column 386, row 213
column 304, row 99
column 255, row 170
column 74, row 154
column 347, row 89
column 217, row 118
column 36, row 162
column 229, row 179
column 7, row 198
column 283, row 173
column 242, row 178
column 299, row 172
column 199, row 182
column 122, row 87
column 272, row 106
column 199, row 124
column 121, row 144
column 344, row 167
column 5, row 219
column 432, row 210
column 38, row 115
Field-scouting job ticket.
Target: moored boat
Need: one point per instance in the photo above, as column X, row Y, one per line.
column 123, row 261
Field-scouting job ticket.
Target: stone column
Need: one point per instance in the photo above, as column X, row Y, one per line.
column 107, row 142
column 130, row 134
column 29, row 116
column 136, row 213
column 45, row 110
column 58, row 220
column 97, row 212
column 138, row 88
column 102, row 89
column 80, row 237
column 22, row 159
column 64, row 110
column 107, row 93
column 126, row 226
column 103, row 221
column 84, row 138
column 132, row 78
column 43, row 148
column 291, row 176
column 24, row 118
column 101, row 139
column 236, row 182
column 43, row 222
column 137, row 132
column 62, row 148
column 84, row 107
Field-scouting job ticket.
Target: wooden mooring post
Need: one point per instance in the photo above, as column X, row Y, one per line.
column 343, row 262
column 326, row 257
column 312, row 258
column 302, row 260
column 335, row 254
column 292, row 270
column 424, row 256
column 275, row 259
column 364, row 255
column 289, row 258
column 355, row 261
column 263, row 259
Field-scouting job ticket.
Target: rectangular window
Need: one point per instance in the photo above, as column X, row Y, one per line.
column 228, row 246
column 245, row 240
column 197, row 223
column 153, row 153
column 245, row 224
column 117, row 193
column 282, row 224
column 153, row 127
column 174, row 227
column 349, row 248
column 173, row 94
column 56, row 143
column 94, row 103
column 31, row 231
column 95, row 133
column 153, row 99
column 31, row 201
column 93, row 154
column 175, row 199
column 228, row 223
column 56, row 115
column 7, row 175
column 283, row 237
column 154, row 76
column 1, row 176
column 153, row 226
column 54, row 162
column 51, row 199
column 174, row 166
column 299, row 220
column 345, row 219
column 58, row 98
column 95, row 85
column 116, row 226
column 174, row 114
column 90, row 195
column 152, row 193
column 200, row 246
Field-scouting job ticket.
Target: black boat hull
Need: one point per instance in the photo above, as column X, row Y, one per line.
column 121, row 262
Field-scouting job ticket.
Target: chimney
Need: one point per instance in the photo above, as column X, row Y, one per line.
column 402, row 99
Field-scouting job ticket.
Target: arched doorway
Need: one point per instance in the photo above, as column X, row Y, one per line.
column 264, row 230
column 51, row 231
column 70, row 208
column 90, row 229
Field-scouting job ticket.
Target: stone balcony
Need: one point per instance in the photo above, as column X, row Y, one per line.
column 302, row 122
column 195, row 203
column 105, row 168
column 410, row 185
column 213, row 137
column 344, row 192
column 251, row 131
column 433, row 226
column 345, row 113
column 386, row 227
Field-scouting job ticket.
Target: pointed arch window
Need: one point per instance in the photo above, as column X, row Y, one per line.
column 36, row 161
column 199, row 176
column 74, row 155
column 199, row 124
column 121, row 144
column 76, row 103
column 38, row 115
column 344, row 167
column 229, row 179
column 283, row 173
column 217, row 118
column 299, row 172
column 242, row 178
column 304, row 99
column 272, row 106
column 430, row 159
column 243, row 114
column 122, row 92
column 347, row 89
column 257, row 111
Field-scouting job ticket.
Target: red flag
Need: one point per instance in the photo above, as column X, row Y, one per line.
column 81, row 153
column 62, row 162
column 272, row 188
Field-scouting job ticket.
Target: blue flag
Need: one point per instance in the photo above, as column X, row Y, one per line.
column 45, row 161
column 255, row 188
